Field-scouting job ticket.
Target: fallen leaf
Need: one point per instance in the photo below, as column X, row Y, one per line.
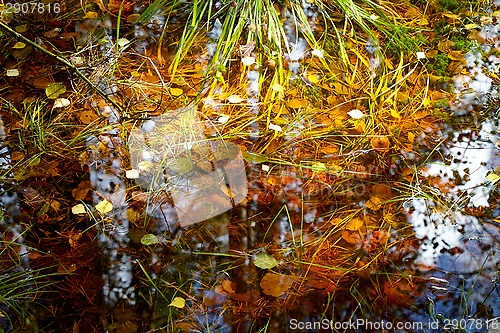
column 81, row 191
column 54, row 90
column 235, row 99
column 104, row 207
column 61, row 103
column 380, row 142
column 178, row 302
column 352, row 237
column 264, row 260
column 374, row 203
column 356, row 114
column 278, row 87
column 227, row 285
column 78, row 209
column 149, row 239
column 132, row 174
column 86, row 117
column 493, row 177
column 296, row 103
column 13, row 72
column 276, row 128
column 248, row 61
column 354, row 224
column 176, row 91
column 19, row 45
column 275, row 285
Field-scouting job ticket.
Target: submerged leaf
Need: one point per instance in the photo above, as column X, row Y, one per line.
column 275, row 285
column 255, row 158
column 149, row 239
column 181, row 165
column 264, row 260
column 54, row 90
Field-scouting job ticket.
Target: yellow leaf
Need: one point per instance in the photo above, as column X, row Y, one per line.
column 104, row 207
column 354, row 224
column 178, row 302
column 296, row 103
column 19, row 45
column 313, row 78
column 411, row 137
column 235, row 99
column 176, row 91
column 78, row 209
column 493, row 177
column 278, row 87
column 374, row 203
column 91, row 15
column 395, row 114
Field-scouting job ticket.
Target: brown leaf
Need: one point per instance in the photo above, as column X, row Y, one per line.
column 276, row 285
column 81, row 191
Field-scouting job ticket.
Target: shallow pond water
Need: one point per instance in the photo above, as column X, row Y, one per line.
column 162, row 226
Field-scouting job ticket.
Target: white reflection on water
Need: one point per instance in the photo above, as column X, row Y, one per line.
column 9, row 204
column 470, row 156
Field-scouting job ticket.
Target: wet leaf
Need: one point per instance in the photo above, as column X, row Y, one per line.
column 227, row 285
column 78, row 209
column 149, row 239
column 255, row 158
column 13, row 72
column 54, row 90
column 235, row 99
column 104, row 207
column 356, row 114
column 318, row 53
column 61, row 103
column 380, row 142
column 374, row 203
column 275, row 285
column 19, row 45
column 223, row 119
column 21, row 28
column 132, row 174
column 181, row 165
column 176, row 91
column 86, row 117
column 248, row 61
column 318, row 167
column 178, row 302
column 493, row 177
column 275, row 127
column 278, row 87
column 421, row 55
column 354, row 224
column 296, row 103
column 20, row 54
column 264, row 260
